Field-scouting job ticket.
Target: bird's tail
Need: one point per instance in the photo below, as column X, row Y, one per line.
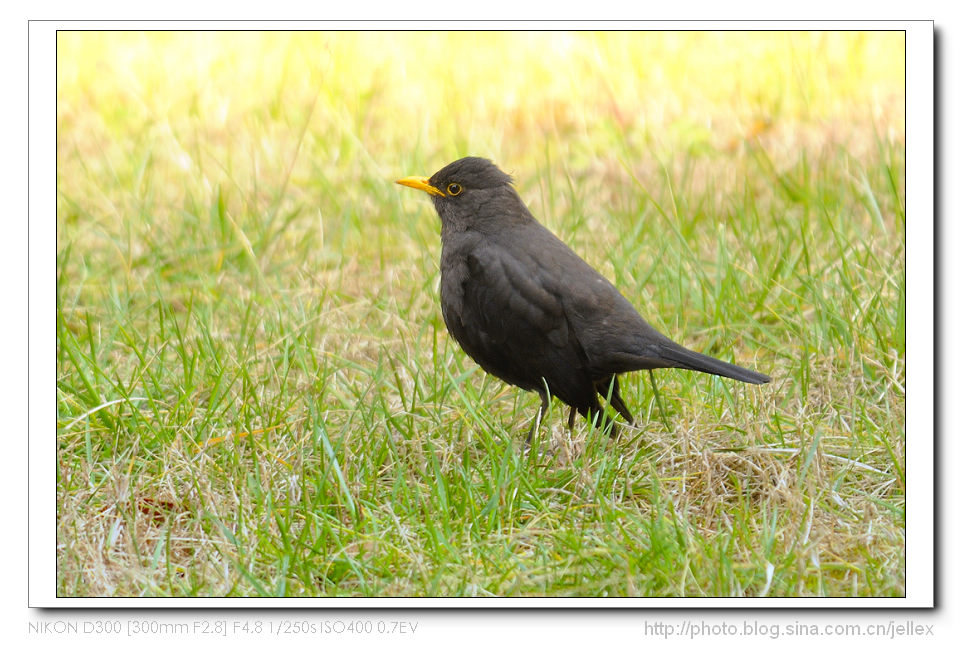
column 687, row 359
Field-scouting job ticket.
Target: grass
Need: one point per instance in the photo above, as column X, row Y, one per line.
column 256, row 392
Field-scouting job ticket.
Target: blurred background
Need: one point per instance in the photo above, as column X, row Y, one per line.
column 339, row 115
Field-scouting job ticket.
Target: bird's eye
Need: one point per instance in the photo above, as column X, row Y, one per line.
column 454, row 189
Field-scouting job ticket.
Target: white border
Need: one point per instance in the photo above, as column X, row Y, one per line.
column 920, row 316
column 42, row 405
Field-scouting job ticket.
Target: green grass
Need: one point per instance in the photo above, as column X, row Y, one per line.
column 256, row 392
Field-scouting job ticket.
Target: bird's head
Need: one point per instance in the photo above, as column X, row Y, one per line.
column 465, row 190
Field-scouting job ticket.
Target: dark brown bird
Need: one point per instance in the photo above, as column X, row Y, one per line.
column 529, row 310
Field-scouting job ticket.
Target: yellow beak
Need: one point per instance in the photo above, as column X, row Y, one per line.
column 420, row 182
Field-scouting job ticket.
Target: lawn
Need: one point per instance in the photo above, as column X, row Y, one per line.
column 256, row 393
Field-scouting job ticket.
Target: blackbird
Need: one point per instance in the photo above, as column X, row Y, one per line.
column 529, row 310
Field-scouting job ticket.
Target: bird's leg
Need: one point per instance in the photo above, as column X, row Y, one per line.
column 537, row 421
column 606, row 422
column 571, row 418
column 612, row 394
column 598, row 417
column 654, row 388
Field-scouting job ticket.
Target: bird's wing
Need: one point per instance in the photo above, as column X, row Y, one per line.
column 615, row 338
column 497, row 306
column 511, row 293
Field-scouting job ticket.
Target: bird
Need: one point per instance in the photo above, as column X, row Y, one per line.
column 530, row 311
